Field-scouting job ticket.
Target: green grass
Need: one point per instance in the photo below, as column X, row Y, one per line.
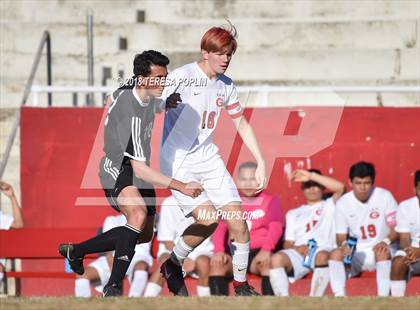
column 242, row 303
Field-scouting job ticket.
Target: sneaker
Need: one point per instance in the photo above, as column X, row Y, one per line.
column 76, row 264
column 245, row 290
column 112, row 290
column 174, row 277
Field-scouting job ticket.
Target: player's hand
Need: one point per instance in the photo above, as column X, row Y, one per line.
column 172, row 101
column 302, row 250
column 412, row 255
column 263, row 257
column 219, row 259
column 380, row 248
column 192, row 189
column 107, row 101
column 300, row 175
column 260, row 177
column 188, row 265
column 7, row 189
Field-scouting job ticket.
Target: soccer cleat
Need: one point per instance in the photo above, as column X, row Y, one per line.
column 245, row 290
column 112, row 290
column 76, row 264
column 174, row 277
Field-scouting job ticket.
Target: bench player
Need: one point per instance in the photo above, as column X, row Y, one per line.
column 313, row 220
column 367, row 213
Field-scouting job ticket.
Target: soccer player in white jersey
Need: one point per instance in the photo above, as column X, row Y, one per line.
column 99, row 271
column 189, row 153
column 313, row 220
column 367, row 213
column 171, row 225
column 406, row 262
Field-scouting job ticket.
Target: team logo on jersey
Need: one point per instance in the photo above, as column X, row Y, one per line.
column 374, row 214
column 318, row 212
column 219, row 102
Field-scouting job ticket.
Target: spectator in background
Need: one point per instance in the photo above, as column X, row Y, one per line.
column 99, row 271
column 368, row 214
column 406, row 262
column 8, row 221
column 171, row 225
column 312, row 220
column 265, row 220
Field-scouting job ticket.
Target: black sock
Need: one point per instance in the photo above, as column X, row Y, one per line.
column 219, row 286
column 104, row 242
column 266, row 288
column 124, row 252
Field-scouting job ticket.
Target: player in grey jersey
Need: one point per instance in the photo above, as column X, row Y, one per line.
column 125, row 174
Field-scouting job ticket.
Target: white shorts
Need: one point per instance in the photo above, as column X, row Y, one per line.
column 219, row 187
column 299, row 271
column 193, row 255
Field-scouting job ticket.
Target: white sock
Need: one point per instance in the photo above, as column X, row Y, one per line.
column 138, row 284
column 320, row 280
column 240, row 253
column 203, row 291
column 180, row 251
column 152, row 290
column 383, row 277
column 1, row 275
column 82, row 288
column 279, row 281
column 337, row 277
column 398, row 288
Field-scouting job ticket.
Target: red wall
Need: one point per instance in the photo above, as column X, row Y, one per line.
column 60, row 149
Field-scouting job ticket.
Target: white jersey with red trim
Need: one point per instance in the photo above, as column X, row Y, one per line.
column 189, row 127
column 369, row 222
column 408, row 220
column 312, row 221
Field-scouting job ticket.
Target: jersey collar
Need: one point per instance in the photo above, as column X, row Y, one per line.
column 143, row 104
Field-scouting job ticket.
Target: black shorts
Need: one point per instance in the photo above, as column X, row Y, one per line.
column 126, row 178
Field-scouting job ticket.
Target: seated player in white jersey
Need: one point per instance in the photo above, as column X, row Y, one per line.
column 188, row 153
column 99, row 271
column 406, row 262
column 171, row 225
column 368, row 214
column 313, row 220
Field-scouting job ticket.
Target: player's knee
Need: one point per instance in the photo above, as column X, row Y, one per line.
column 238, row 228
column 278, row 260
column 336, row 255
column 321, row 258
column 398, row 268
column 202, row 265
column 136, row 216
column 140, row 266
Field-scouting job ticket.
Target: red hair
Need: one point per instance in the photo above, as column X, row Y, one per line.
column 219, row 39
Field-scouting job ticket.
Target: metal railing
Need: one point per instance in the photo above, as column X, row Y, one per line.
column 263, row 89
column 45, row 40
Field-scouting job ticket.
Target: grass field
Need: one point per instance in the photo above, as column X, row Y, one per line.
column 212, row 303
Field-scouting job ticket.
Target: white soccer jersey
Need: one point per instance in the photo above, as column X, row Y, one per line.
column 6, row 221
column 120, row 220
column 369, row 222
column 190, row 126
column 172, row 223
column 408, row 219
column 312, row 221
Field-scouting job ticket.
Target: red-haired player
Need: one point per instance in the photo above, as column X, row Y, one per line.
column 188, row 153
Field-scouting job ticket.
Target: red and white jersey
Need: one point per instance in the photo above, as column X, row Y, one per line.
column 172, row 223
column 408, row 219
column 369, row 222
column 312, row 221
column 189, row 127
column 120, row 220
